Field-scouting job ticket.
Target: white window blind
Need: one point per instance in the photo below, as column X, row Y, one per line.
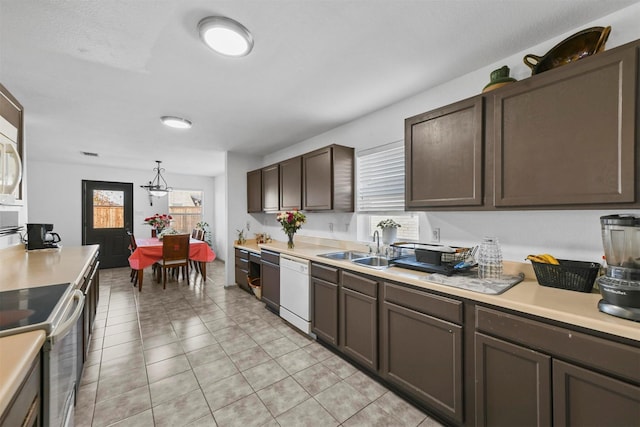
column 381, row 178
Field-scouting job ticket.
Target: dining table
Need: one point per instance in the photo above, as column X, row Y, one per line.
column 149, row 251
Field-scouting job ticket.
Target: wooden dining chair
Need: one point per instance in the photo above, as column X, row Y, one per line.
column 175, row 255
column 132, row 247
column 197, row 234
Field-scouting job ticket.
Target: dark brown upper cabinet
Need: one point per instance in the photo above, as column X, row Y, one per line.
column 271, row 188
column 327, row 179
column 569, row 136
column 564, row 139
column 254, row 191
column 291, row 184
column 443, row 154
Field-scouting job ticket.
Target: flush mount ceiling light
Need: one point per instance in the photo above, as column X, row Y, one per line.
column 158, row 187
column 176, row 122
column 225, row 36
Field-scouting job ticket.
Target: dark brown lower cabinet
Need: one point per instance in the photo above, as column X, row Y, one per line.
column 585, row 398
column 270, row 279
column 423, row 356
column 242, row 268
column 325, row 310
column 359, row 319
column 513, row 384
column 541, row 374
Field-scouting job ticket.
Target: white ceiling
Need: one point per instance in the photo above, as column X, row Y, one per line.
column 96, row 75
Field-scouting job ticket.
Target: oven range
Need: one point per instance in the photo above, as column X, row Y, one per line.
column 54, row 309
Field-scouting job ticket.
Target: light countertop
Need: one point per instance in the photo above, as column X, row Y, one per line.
column 570, row 307
column 21, row 269
column 17, row 353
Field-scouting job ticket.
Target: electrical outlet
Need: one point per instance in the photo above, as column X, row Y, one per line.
column 435, row 235
column 248, row 226
column 331, row 227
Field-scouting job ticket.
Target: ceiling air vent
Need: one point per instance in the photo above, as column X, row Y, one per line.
column 87, row 153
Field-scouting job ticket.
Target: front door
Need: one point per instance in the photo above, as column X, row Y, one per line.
column 107, row 212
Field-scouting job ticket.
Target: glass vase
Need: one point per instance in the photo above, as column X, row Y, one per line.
column 290, row 244
column 490, row 259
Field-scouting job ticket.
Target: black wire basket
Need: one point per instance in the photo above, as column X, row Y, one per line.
column 576, row 276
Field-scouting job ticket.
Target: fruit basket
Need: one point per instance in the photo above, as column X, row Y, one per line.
column 571, row 275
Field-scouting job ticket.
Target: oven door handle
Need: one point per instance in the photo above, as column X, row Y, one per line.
column 64, row 327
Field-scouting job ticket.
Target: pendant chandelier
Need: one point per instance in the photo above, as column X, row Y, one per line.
column 158, row 187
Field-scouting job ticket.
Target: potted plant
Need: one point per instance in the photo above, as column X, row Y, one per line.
column 389, row 230
column 241, row 239
column 207, row 234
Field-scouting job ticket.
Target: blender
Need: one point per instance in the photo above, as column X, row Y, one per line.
column 620, row 286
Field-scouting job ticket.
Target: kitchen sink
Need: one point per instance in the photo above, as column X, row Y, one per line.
column 377, row 262
column 345, row 255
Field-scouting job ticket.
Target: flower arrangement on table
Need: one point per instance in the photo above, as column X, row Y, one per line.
column 166, row 231
column 158, row 222
column 291, row 222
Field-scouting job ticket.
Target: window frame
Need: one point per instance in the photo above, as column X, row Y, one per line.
column 175, row 215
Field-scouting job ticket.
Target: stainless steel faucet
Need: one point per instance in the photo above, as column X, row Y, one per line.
column 376, row 238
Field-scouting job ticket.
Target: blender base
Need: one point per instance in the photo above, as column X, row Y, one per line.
column 630, row 313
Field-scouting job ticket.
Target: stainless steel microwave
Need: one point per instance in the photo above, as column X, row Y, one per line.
column 10, row 163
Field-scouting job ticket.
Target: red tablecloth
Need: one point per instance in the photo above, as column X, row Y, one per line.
column 150, row 250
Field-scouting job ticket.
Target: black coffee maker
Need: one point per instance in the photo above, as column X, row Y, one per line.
column 41, row 236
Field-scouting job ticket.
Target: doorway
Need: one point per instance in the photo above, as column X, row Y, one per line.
column 107, row 212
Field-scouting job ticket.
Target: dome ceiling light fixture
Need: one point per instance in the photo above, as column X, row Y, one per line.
column 225, row 36
column 158, row 187
column 176, row 122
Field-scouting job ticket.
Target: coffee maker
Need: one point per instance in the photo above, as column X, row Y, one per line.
column 41, row 236
column 620, row 286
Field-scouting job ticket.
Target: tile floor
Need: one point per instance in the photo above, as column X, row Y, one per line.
column 208, row 355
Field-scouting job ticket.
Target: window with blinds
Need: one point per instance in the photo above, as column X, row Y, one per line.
column 381, row 178
column 381, row 191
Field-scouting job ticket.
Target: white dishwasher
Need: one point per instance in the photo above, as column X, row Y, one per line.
column 295, row 302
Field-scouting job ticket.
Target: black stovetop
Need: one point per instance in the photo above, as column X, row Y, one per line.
column 26, row 307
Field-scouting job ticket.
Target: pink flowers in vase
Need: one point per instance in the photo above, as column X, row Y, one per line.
column 159, row 222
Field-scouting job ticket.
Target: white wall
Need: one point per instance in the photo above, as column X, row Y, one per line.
column 55, row 195
column 569, row 234
column 218, row 227
column 237, row 166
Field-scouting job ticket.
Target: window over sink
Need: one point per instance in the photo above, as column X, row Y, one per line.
column 380, row 187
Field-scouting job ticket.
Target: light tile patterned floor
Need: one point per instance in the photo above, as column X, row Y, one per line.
column 208, row 355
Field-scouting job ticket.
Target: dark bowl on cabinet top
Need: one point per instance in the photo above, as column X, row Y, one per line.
column 581, row 44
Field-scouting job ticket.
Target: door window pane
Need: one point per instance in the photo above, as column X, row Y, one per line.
column 108, row 209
